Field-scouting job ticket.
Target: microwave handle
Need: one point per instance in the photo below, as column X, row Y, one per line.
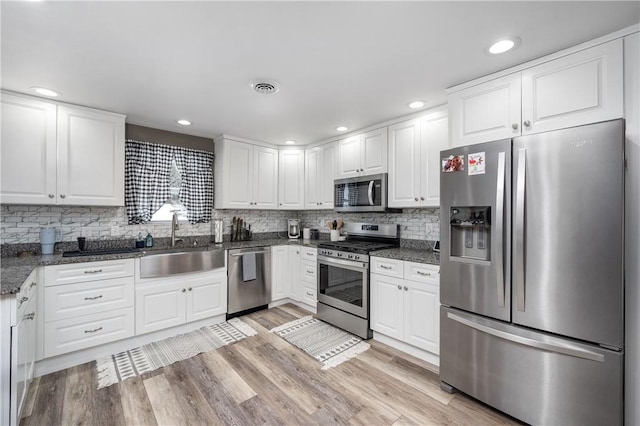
column 370, row 192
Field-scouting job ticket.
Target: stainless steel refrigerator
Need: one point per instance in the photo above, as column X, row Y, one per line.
column 532, row 274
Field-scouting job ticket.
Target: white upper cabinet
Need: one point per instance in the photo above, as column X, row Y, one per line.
column 320, row 172
column 90, row 157
column 61, row 154
column 246, row 175
column 291, row 179
column 414, row 159
column 486, row 112
column 580, row 88
column 364, row 154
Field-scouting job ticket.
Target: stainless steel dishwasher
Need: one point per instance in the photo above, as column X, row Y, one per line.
column 251, row 295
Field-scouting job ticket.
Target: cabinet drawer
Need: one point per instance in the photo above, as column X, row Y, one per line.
column 72, row 334
column 308, row 272
column 309, row 253
column 388, row 267
column 421, row 272
column 309, row 296
column 72, row 300
column 88, row 271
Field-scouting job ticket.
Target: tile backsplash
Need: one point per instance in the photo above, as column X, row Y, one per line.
column 21, row 223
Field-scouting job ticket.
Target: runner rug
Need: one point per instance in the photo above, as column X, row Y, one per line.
column 326, row 343
column 134, row 362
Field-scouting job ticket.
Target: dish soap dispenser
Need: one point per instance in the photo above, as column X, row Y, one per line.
column 149, row 240
column 140, row 242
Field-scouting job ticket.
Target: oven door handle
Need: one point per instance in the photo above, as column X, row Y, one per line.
column 354, row 264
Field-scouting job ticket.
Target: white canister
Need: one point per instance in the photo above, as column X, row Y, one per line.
column 306, row 233
column 335, row 234
column 47, row 240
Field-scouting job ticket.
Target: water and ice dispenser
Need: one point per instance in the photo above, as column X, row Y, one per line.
column 470, row 229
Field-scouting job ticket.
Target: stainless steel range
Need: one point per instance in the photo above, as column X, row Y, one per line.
column 343, row 278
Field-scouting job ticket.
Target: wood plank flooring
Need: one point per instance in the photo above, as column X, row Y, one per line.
column 262, row 380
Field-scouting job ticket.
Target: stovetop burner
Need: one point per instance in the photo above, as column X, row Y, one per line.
column 362, row 247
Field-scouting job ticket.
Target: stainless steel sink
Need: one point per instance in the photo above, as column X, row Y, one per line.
column 164, row 263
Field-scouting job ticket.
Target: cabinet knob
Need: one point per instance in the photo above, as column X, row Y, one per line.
column 406, row 288
column 416, row 198
column 33, row 284
column 190, row 288
column 514, row 126
column 399, row 287
column 280, row 203
column 421, row 198
column 527, row 123
column 51, row 195
column 184, row 290
column 30, row 316
column 362, row 170
column 62, row 196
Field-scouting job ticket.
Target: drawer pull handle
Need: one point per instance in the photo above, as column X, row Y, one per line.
column 309, row 272
column 309, row 294
column 385, row 267
column 95, row 271
column 24, row 299
column 30, row 316
column 424, row 274
column 309, row 254
column 93, row 331
column 93, row 298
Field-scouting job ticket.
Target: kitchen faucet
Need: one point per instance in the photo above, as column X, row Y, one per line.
column 174, row 228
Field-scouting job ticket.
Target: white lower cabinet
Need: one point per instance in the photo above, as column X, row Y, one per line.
column 406, row 308
column 168, row 302
column 279, row 282
column 308, row 276
column 87, row 304
column 293, row 269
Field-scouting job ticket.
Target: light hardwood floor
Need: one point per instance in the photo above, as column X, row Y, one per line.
column 260, row 380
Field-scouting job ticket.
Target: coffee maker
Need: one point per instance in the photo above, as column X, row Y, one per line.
column 294, row 228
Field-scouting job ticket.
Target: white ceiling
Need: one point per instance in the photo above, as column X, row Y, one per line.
column 338, row 63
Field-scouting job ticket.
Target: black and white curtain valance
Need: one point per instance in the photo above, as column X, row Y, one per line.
column 147, row 171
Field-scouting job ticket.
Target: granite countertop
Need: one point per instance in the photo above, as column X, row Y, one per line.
column 15, row 270
column 410, row 255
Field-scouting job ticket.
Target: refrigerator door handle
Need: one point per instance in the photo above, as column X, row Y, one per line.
column 565, row 349
column 519, row 228
column 500, row 228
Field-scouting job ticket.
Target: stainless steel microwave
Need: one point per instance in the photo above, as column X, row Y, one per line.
column 361, row 194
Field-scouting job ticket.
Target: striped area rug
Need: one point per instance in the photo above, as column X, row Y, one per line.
column 134, row 362
column 326, row 343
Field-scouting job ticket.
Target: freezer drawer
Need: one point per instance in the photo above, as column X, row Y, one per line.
column 535, row 377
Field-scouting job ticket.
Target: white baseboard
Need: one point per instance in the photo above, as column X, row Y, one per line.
column 71, row 359
column 411, row 350
column 286, row 300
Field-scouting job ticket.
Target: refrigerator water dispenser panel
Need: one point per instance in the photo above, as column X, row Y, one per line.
column 470, row 230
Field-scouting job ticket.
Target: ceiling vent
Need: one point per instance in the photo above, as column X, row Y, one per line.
column 265, row 87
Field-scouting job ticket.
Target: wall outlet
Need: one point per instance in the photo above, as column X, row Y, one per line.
column 115, row 230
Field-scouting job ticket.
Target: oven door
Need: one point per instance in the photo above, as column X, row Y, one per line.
column 344, row 284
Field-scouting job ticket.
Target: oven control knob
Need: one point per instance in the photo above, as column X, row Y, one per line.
column 350, row 256
column 339, row 254
column 356, row 257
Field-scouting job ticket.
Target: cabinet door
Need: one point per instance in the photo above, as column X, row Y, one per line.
column 279, row 282
column 159, row 305
column 206, row 297
column 291, row 180
column 374, row 152
column 265, row 178
column 435, row 138
column 312, row 164
column 27, row 151
column 327, row 174
column 237, row 168
column 90, row 157
column 421, row 315
column 486, row 112
column 349, row 157
column 404, row 164
column 293, row 273
column 585, row 87
column 387, row 300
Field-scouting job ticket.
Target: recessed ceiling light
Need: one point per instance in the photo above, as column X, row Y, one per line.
column 184, row 122
column 341, row 129
column 416, row 104
column 503, row 45
column 290, row 142
column 45, row 92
